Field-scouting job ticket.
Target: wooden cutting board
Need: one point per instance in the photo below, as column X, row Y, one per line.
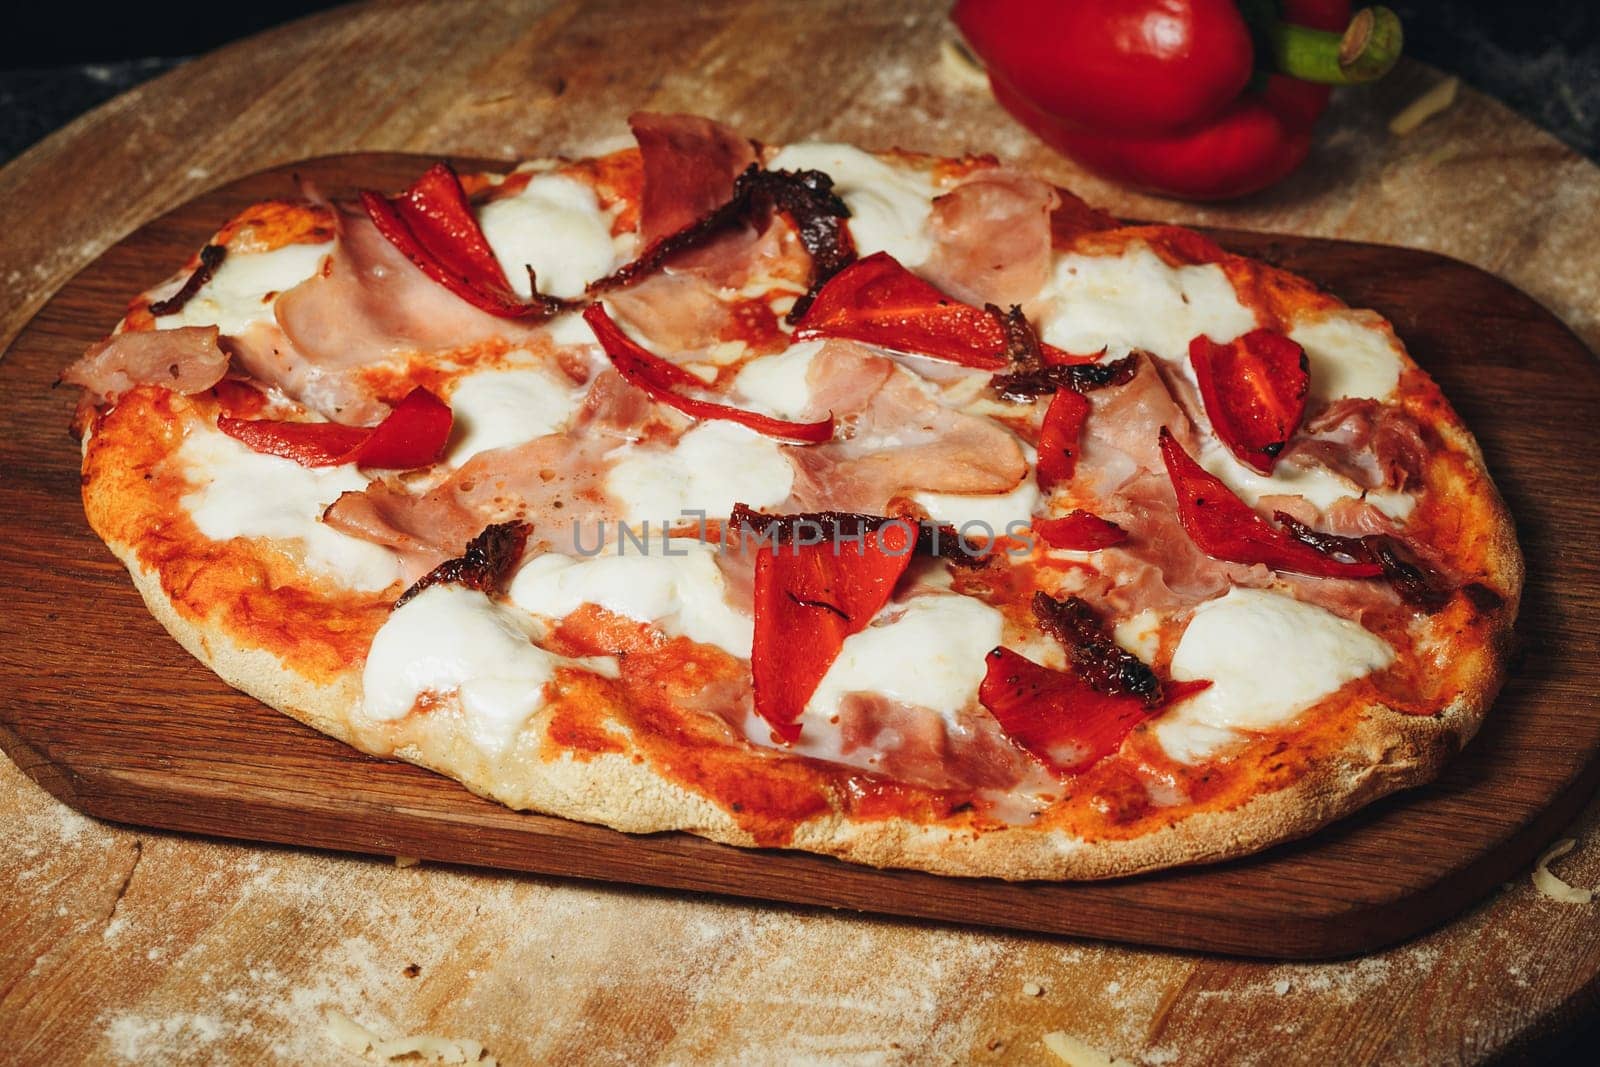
column 111, row 716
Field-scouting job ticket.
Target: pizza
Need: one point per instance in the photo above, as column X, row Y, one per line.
column 900, row 508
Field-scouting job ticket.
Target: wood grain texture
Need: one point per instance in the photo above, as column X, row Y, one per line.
column 115, row 746
column 122, row 944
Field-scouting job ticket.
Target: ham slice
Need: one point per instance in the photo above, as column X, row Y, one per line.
column 915, row 745
column 897, row 439
column 556, row 483
column 674, row 312
column 690, row 164
column 186, row 360
column 368, row 305
column 1120, row 434
column 992, row 238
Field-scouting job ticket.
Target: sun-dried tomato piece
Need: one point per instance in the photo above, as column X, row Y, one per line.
column 486, row 564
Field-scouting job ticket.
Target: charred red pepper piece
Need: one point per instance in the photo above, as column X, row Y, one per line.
column 879, row 302
column 414, row 434
column 662, row 379
column 432, row 225
column 808, row 599
column 1224, row 527
column 1204, row 99
column 1058, row 438
column 1080, row 531
column 1060, row 719
column 1254, row 391
column 1070, row 720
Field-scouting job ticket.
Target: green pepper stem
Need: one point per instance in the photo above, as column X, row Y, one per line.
column 1366, row 51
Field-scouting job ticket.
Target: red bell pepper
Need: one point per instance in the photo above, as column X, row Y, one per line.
column 1200, row 99
column 661, row 378
column 432, row 225
column 1223, row 526
column 808, row 598
column 1058, row 438
column 1080, row 531
column 412, row 435
column 1254, row 391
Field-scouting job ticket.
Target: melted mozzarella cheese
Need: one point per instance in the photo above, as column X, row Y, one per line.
column 499, row 408
column 684, row 593
column 555, row 226
column 1136, row 300
column 1320, row 485
column 712, row 467
column 240, row 493
column 777, row 384
column 1269, row 657
column 569, row 328
column 1350, row 354
column 889, row 205
column 451, row 639
column 242, row 290
column 928, row 653
column 994, row 511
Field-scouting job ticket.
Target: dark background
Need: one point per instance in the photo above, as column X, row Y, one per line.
column 58, row 60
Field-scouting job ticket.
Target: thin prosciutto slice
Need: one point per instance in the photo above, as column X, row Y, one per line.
column 664, row 381
column 690, row 164
column 879, row 302
column 808, row 599
column 901, row 439
column 1224, row 527
column 186, row 360
column 413, row 435
column 432, row 225
column 1254, row 390
column 991, row 237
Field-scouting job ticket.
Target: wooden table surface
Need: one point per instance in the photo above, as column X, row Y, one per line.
column 122, row 944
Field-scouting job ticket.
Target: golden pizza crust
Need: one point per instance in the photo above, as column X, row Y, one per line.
column 1387, row 751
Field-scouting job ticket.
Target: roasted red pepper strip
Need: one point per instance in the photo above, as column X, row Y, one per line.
column 879, row 302
column 1058, row 438
column 660, row 378
column 432, row 224
column 1060, row 719
column 1179, row 96
column 1224, row 527
column 1254, row 391
column 808, row 599
column 1080, row 531
column 413, row 435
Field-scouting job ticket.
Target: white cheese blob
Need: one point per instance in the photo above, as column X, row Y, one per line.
column 1320, row 485
column 449, row 639
column 242, row 290
column 503, row 407
column 684, row 593
column 889, row 205
column 555, row 226
column 1269, row 657
column 991, row 513
column 776, row 385
column 569, row 329
column 1136, row 300
column 1350, row 354
column 240, row 493
column 712, row 467
column 928, row 653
